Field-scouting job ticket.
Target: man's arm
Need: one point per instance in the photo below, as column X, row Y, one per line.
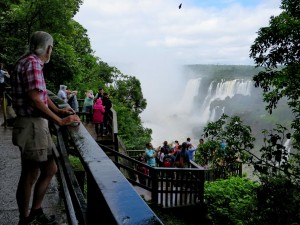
column 65, row 111
column 33, row 95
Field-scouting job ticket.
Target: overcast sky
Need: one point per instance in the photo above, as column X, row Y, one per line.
column 150, row 39
column 202, row 31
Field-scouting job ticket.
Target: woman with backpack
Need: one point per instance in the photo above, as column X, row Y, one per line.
column 169, row 159
column 182, row 157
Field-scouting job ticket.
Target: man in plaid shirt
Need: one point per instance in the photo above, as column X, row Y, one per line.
column 31, row 133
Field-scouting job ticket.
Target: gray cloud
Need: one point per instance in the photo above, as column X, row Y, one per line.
column 123, row 31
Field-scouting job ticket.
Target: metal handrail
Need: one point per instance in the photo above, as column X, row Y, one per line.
column 108, row 191
column 166, row 190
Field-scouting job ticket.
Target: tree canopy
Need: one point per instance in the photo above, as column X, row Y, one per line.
column 277, row 49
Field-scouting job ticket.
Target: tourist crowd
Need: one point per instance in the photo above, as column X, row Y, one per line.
column 176, row 155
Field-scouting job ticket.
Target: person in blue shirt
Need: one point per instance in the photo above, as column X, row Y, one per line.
column 151, row 155
column 223, row 147
column 190, row 150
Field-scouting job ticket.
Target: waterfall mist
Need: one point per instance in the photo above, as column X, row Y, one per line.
column 168, row 100
column 181, row 100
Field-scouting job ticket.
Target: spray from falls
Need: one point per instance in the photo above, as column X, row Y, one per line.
column 191, row 91
column 221, row 91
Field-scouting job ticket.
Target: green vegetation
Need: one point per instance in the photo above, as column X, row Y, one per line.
column 75, row 163
column 218, row 72
column 231, row 201
column 237, row 140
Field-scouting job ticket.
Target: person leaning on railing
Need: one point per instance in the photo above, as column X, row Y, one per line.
column 31, row 133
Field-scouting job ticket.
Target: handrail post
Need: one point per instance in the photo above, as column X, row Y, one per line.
column 201, row 188
column 4, row 103
column 241, row 169
column 154, row 186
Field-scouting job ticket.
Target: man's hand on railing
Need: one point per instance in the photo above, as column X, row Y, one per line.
column 66, row 111
column 71, row 120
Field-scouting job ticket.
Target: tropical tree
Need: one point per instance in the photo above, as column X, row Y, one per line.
column 277, row 50
column 128, row 98
column 228, row 143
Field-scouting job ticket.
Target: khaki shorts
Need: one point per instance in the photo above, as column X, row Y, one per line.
column 33, row 137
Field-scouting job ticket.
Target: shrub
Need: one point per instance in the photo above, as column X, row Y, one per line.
column 231, row 201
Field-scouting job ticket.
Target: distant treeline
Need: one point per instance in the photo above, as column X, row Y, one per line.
column 221, row 71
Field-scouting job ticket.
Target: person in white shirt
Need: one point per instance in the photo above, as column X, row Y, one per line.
column 3, row 74
column 62, row 93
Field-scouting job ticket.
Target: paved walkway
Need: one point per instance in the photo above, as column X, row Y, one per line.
column 9, row 176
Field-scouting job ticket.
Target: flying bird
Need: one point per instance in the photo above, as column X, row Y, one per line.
column 180, row 6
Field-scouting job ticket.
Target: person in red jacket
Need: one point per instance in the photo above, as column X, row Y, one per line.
column 98, row 114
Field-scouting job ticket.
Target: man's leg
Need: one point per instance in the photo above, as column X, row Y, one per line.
column 29, row 174
column 48, row 170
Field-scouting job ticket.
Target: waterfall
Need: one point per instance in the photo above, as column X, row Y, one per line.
column 213, row 113
column 222, row 90
column 287, row 146
column 190, row 92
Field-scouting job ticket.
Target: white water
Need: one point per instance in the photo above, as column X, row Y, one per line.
column 191, row 91
column 178, row 117
column 223, row 90
column 288, row 146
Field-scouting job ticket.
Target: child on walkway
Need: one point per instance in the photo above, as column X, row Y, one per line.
column 98, row 114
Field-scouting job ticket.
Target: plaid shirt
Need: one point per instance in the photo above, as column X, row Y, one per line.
column 28, row 75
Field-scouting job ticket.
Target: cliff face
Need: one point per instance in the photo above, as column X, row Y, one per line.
column 213, row 90
column 202, row 93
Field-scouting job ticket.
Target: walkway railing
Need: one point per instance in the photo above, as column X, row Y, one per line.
column 108, row 196
column 169, row 187
column 211, row 174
